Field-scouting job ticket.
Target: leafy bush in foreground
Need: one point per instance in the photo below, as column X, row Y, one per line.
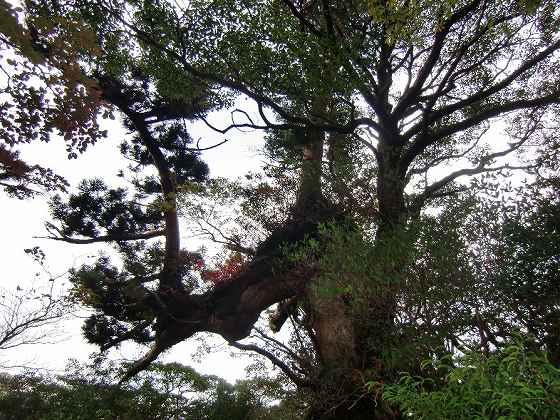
column 513, row 383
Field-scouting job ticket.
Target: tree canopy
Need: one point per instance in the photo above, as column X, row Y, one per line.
column 163, row 392
column 357, row 227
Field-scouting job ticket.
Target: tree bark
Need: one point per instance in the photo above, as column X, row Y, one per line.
column 353, row 340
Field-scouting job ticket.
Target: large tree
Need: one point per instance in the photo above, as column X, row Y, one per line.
column 386, row 93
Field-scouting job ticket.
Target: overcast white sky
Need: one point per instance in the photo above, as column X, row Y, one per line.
column 24, row 219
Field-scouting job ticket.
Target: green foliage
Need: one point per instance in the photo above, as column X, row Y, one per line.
column 528, row 263
column 349, row 261
column 363, row 272
column 60, row 99
column 95, row 210
column 176, row 145
column 468, row 276
column 164, row 392
column 402, row 19
column 513, row 383
column 414, row 84
column 21, row 180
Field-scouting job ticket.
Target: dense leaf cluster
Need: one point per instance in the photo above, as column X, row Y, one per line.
column 509, row 384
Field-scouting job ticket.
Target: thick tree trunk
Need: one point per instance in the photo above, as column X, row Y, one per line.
column 334, row 330
column 309, row 203
column 353, row 342
column 350, row 347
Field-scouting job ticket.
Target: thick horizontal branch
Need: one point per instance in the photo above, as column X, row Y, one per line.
column 229, row 309
column 107, row 238
column 232, row 307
